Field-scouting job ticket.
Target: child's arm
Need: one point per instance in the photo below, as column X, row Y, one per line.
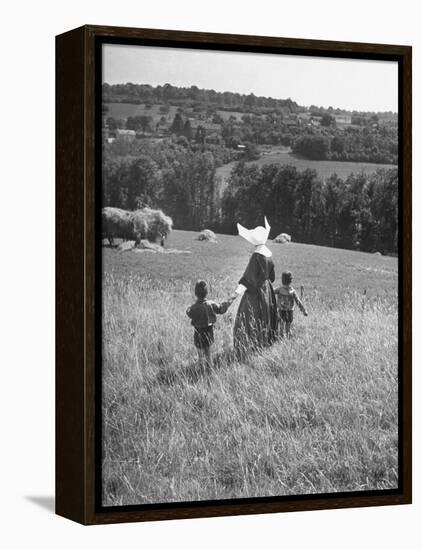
column 299, row 303
column 223, row 307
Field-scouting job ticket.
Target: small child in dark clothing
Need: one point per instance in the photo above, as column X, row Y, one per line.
column 286, row 299
column 203, row 317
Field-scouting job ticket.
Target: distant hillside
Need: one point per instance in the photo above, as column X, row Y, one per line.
column 144, row 93
column 226, row 101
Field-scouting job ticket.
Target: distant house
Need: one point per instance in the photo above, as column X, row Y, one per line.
column 316, row 121
column 213, row 138
column 291, row 123
column 304, row 117
column 343, row 119
column 162, row 129
column 359, row 120
column 126, row 135
column 209, row 126
column 143, row 135
column 108, row 135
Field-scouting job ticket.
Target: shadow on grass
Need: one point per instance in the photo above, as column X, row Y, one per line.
column 194, row 371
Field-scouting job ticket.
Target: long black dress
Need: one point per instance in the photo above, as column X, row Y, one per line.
column 256, row 319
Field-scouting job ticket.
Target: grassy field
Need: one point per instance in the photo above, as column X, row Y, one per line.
column 125, row 110
column 238, row 115
column 324, row 168
column 317, row 413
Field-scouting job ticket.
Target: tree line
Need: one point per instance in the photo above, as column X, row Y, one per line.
column 172, row 175
column 196, row 97
column 359, row 212
column 350, row 146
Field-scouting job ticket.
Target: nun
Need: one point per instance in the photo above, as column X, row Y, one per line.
column 256, row 320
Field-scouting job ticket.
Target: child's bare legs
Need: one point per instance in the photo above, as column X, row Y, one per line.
column 286, row 321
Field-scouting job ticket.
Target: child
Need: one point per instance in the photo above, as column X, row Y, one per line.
column 203, row 315
column 286, row 299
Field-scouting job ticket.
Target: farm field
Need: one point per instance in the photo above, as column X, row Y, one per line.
column 225, row 115
column 125, row 110
column 333, row 271
column 314, row 414
column 324, row 168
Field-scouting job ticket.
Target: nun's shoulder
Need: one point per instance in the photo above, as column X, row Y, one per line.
column 261, row 258
column 256, row 257
column 264, row 262
column 269, row 262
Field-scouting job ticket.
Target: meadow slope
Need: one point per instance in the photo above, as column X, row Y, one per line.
column 324, row 168
column 314, row 414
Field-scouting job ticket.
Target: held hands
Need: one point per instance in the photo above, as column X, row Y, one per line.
column 230, row 300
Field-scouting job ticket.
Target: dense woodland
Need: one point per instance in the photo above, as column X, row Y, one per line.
column 178, row 176
column 359, row 212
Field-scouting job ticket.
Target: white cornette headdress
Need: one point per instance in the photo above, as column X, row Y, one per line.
column 258, row 236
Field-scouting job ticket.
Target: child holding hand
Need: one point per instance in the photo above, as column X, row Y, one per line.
column 203, row 315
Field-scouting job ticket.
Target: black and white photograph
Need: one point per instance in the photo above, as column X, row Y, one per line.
column 250, row 260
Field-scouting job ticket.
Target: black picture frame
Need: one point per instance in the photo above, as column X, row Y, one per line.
column 78, row 272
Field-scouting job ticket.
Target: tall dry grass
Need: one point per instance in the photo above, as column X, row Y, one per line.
column 317, row 413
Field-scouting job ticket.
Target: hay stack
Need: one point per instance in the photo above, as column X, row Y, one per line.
column 283, row 238
column 207, row 235
column 126, row 245
column 157, row 224
column 140, row 224
column 146, row 245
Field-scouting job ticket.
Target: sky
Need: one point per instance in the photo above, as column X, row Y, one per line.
column 341, row 83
